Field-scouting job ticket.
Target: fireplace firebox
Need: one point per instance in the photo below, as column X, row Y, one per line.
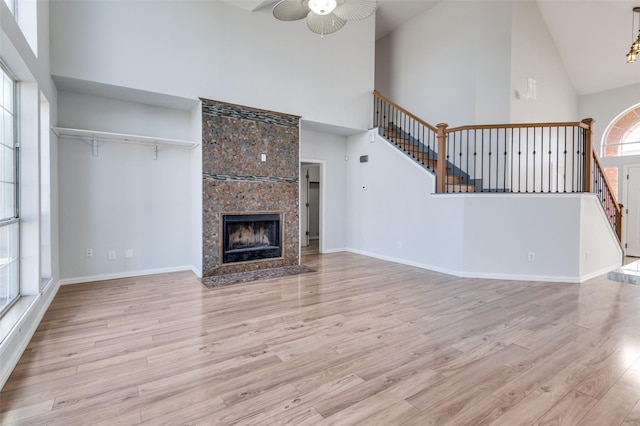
column 248, row 237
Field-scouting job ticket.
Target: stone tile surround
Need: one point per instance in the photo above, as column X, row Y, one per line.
column 235, row 180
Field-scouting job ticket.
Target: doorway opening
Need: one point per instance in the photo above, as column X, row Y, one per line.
column 310, row 200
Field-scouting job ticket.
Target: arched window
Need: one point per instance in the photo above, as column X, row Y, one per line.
column 623, row 135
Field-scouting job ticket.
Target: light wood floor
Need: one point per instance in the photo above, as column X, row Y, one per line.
column 361, row 341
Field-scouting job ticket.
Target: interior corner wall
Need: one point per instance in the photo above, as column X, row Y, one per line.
column 122, row 199
column 535, row 55
column 215, row 50
column 450, row 64
column 195, row 191
column 331, row 149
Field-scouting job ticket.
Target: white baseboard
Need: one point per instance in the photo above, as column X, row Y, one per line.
column 128, row 274
column 467, row 274
column 602, row 271
column 196, row 271
column 336, row 250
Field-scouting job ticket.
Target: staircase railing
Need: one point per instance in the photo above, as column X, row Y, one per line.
column 519, row 158
column 602, row 188
column 413, row 135
column 511, row 158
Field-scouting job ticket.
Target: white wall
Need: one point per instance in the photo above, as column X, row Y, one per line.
column 474, row 235
column 450, row 64
column 80, row 111
column 605, row 106
column 123, row 199
column 214, row 50
column 502, row 229
column 396, row 217
column 330, row 150
column 534, row 54
column 598, row 251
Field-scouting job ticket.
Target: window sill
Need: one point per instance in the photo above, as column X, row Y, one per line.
column 14, row 315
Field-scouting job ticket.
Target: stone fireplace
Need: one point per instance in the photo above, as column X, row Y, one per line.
column 250, row 167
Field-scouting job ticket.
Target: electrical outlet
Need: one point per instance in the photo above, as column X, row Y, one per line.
column 112, row 255
column 531, row 257
column 88, row 252
column 128, row 253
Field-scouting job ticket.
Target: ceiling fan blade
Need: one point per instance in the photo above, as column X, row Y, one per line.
column 355, row 10
column 326, row 24
column 291, row 10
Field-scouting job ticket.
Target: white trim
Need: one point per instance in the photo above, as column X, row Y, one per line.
column 323, row 188
column 336, row 250
column 196, row 271
column 130, row 274
column 598, row 273
column 508, row 277
column 99, row 136
column 14, row 345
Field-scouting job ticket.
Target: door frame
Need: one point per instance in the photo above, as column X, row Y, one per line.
column 321, row 215
column 625, row 200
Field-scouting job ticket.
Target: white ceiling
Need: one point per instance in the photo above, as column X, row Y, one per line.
column 592, row 36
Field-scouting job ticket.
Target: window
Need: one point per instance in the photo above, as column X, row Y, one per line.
column 622, row 138
column 9, row 224
column 12, row 5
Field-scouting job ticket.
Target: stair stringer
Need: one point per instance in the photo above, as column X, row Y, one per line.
column 431, row 155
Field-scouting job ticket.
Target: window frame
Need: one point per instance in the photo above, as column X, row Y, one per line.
column 618, row 134
column 15, row 220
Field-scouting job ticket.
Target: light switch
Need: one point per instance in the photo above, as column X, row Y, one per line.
column 263, row 157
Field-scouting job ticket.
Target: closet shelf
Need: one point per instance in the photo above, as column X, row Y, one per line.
column 89, row 135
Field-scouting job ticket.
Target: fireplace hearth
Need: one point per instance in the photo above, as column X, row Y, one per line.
column 250, row 237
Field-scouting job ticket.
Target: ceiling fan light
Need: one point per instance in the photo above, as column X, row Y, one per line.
column 322, row 7
column 631, row 56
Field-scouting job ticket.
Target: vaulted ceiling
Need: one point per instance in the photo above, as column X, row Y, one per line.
column 592, row 36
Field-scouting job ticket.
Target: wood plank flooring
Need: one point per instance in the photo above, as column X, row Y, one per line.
column 360, row 341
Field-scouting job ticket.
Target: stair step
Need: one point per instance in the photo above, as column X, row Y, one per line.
column 403, row 141
column 453, row 180
column 460, row 188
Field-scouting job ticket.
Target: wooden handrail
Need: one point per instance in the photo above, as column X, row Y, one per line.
column 594, row 155
column 404, row 111
column 588, row 167
column 618, row 207
column 519, row 126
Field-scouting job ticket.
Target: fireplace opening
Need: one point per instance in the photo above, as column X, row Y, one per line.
column 247, row 237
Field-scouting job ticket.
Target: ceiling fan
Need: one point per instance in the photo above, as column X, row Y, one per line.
column 324, row 16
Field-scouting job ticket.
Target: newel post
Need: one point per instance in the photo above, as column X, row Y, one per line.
column 587, row 178
column 441, row 164
column 619, row 222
